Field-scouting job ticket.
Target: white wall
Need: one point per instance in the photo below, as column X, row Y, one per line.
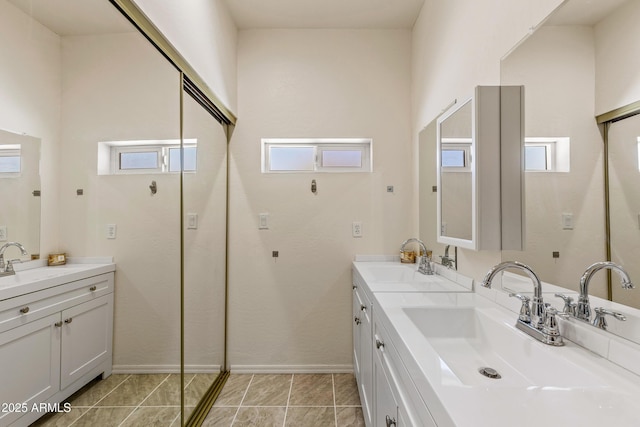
column 30, row 78
column 557, row 67
column 206, row 36
column 294, row 312
column 618, row 58
column 457, row 45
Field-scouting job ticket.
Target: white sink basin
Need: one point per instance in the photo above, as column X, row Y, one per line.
column 468, row 339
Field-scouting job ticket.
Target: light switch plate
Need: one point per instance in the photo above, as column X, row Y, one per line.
column 567, row 221
column 192, row 221
column 3, row 233
column 263, row 221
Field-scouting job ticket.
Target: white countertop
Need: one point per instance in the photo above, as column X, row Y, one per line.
column 540, row 384
column 558, row 385
column 35, row 275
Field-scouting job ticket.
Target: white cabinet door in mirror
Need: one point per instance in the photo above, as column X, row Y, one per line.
column 480, row 171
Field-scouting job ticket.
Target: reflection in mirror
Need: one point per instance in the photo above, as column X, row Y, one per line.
column 204, row 200
column 428, row 181
column 19, row 187
column 455, row 188
column 570, row 72
column 624, row 203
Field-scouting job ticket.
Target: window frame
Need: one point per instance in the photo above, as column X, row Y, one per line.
column 11, row 150
column 457, row 144
column 319, row 146
column 160, row 147
column 554, row 146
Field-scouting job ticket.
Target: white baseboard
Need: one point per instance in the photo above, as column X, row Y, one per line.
column 291, row 369
column 165, row 369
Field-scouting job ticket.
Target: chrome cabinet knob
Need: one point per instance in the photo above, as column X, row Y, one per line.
column 390, row 421
column 69, row 320
column 93, row 288
column 357, row 320
column 24, row 310
column 363, row 307
column 58, row 324
column 379, row 344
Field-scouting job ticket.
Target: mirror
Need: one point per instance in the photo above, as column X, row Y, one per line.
column 454, row 173
column 84, row 79
column 479, row 171
column 565, row 66
column 20, row 182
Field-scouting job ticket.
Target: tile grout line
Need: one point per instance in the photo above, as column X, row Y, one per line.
column 286, row 409
column 100, row 400
column 242, row 400
column 335, row 409
column 146, row 397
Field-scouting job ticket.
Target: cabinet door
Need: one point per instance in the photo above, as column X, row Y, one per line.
column 366, row 362
column 386, row 407
column 86, row 337
column 29, row 366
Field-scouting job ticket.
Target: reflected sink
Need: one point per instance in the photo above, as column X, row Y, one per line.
column 467, row 339
column 398, row 274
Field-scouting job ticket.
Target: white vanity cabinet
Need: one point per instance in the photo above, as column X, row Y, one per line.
column 52, row 342
column 362, row 348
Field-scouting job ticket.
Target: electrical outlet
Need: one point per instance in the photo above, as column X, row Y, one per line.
column 356, row 229
column 3, row 233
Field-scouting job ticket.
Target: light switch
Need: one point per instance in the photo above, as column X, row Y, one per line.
column 192, row 221
column 111, row 231
column 567, row 221
column 263, row 221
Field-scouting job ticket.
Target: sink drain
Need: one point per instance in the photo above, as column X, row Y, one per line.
column 489, row 373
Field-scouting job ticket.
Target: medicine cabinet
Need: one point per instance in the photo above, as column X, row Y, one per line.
column 480, row 171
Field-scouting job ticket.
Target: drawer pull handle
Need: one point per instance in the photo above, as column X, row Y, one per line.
column 93, row 288
column 363, row 307
column 58, row 324
column 69, row 320
column 379, row 344
column 24, row 310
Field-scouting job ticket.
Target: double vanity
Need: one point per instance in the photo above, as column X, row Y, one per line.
column 56, row 328
column 437, row 350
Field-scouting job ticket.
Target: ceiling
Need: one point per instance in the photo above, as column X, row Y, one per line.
column 75, row 17
column 324, row 13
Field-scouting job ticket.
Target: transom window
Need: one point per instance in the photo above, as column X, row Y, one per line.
column 455, row 155
column 145, row 157
column 548, row 154
column 290, row 155
column 10, row 160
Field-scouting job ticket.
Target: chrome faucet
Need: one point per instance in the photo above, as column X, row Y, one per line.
column 583, row 310
column 424, row 265
column 6, row 269
column 537, row 320
column 446, row 261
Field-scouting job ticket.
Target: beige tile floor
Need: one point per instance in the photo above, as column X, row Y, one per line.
column 303, row 400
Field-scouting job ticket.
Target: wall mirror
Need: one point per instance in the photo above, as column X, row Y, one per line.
column 20, row 182
column 455, row 175
column 580, row 63
column 479, row 170
column 78, row 74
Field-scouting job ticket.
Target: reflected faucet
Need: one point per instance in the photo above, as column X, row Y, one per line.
column 424, row 266
column 6, row 269
column 446, row 261
column 584, row 308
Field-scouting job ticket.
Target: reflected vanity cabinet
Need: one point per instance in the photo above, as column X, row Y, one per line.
column 363, row 345
column 480, row 171
column 53, row 342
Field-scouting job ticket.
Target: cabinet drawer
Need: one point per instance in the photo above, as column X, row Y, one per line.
column 21, row 310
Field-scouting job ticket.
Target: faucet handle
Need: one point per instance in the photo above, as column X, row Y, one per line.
column 599, row 321
column 570, row 307
column 525, row 309
column 550, row 320
column 9, row 267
